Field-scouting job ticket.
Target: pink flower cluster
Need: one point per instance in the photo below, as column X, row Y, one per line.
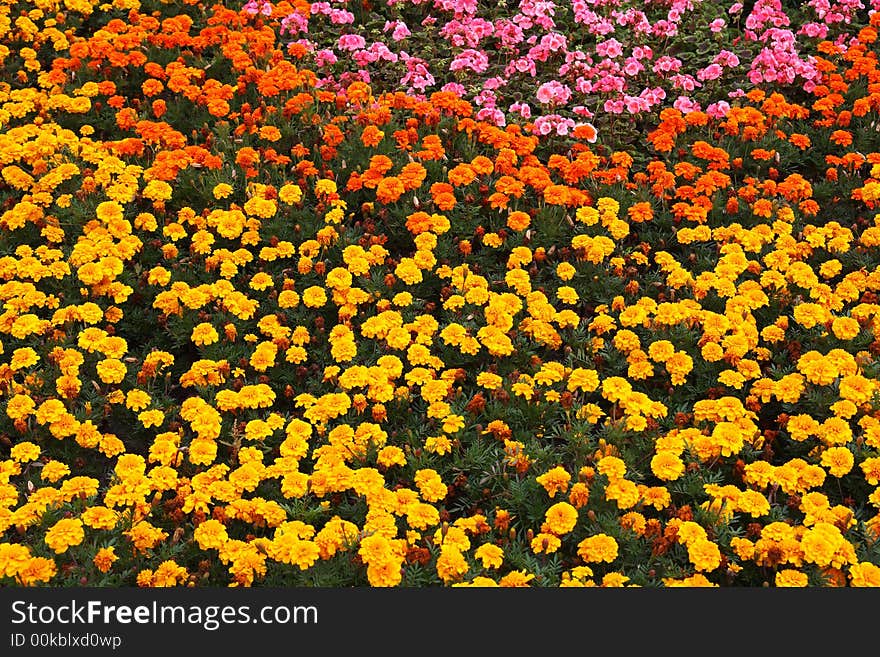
column 556, row 63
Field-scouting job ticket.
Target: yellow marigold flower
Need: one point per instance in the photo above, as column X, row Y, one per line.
column 54, row 470
column 728, row 437
column 567, row 294
column 137, row 400
column 391, row 455
column 151, row 418
column 438, row 445
column 695, row 580
column 835, row 431
column 554, row 480
column 565, row 271
column 845, row 328
column 490, row 555
column 111, row 370
column 66, row 533
column 421, row 516
column 704, row 555
column 451, row 564
column 51, row 410
column 23, row 357
column 291, row 549
column 204, row 334
column 168, row 574
column 560, row 519
column 79, row 486
column 145, row 536
column 375, row 548
column 579, row 494
column 871, row 468
column 864, row 574
column 586, row 380
column 544, row 543
column 753, row 503
column 264, row 356
column 290, row 193
column 821, row 544
column 314, row 296
column 838, row 460
column 634, row 521
column 597, row 548
column 661, row 350
column 145, row 578
column 612, row 467
column 689, row 532
column 210, row 534
column 516, row 579
column 24, row 452
column 452, row 423
column 667, row 466
column 221, row 191
column 100, row 517
column 624, row 492
column 20, row 406
column 489, row 380
column 789, row 577
column 13, row 558
column 430, row 485
column 656, row 496
column 109, row 211
column 37, row 569
column 479, row 581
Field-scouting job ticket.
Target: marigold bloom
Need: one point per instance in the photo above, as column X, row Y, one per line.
column 554, row 480
column 66, row 533
column 864, row 574
column 560, row 519
column 598, row 548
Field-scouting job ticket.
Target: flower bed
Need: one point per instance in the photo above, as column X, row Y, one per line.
column 275, row 313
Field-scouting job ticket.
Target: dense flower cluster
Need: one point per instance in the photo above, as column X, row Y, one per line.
column 263, row 325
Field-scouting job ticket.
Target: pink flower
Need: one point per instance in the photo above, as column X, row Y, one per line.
column 632, row 66
column 553, row 92
column 401, row 31
column 610, row 48
column 351, row 42
column 711, row 72
column 471, row 59
column 653, row 96
column 685, row 105
column 294, row 23
column 726, row 58
column 455, row 88
column 614, row 106
column 325, row 57
column 814, row 30
column 341, row 17
column 643, row 52
column 522, row 109
column 717, row 25
column 253, row 7
column 718, row 110
column 494, row 83
column 634, row 104
column 492, row 115
column 667, row 64
column 525, row 65
column 554, row 41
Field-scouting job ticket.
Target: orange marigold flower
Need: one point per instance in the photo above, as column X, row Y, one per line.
column 390, row 189
column 371, row 136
